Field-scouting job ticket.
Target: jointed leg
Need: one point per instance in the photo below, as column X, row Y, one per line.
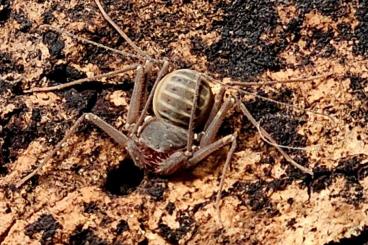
column 51, row 153
column 219, row 98
column 135, row 103
column 115, row 134
column 230, row 153
column 118, row 136
column 212, row 130
column 83, row 40
column 180, row 160
column 295, row 80
column 139, row 93
column 83, row 80
column 192, row 116
column 209, row 149
column 122, row 34
column 160, row 75
column 205, row 151
column 269, row 137
column 230, row 86
column 172, row 164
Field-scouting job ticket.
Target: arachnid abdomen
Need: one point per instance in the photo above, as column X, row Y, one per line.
column 173, row 98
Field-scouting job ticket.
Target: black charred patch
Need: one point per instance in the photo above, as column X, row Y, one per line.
column 291, row 223
column 143, row 242
column 10, row 88
column 54, row 43
column 82, row 97
column 279, row 184
column 186, row 224
column 92, row 101
column 197, row 45
column 78, row 12
column 252, row 36
column 3, row 170
column 5, row 9
column 336, row 10
column 259, row 107
column 359, row 116
column 15, row 134
column 45, row 224
column 254, row 195
column 123, row 179
column 357, row 86
column 63, row 73
column 294, row 27
column 85, row 97
column 7, row 65
column 166, row 16
column 106, row 220
column 53, row 130
column 48, row 17
column 82, row 236
column 24, row 23
column 95, row 55
column 361, row 31
column 332, row 8
column 258, row 198
column 345, row 31
column 302, row 159
column 106, row 109
column 320, row 42
column 241, row 52
column 361, row 238
column 322, row 179
column 90, row 207
column 156, row 188
column 290, row 201
column 170, row 207
column 283, row 129
column 83, row 102
column 352, row 193
column 353, row 169
column 282, row 125
column 121, row 227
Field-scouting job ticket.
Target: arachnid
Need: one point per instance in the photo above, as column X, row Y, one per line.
column 91, row 190
column 186, row 111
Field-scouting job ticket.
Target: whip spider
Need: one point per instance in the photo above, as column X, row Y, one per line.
column 187, row 115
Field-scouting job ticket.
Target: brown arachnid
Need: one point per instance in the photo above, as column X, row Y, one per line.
column 183, row 103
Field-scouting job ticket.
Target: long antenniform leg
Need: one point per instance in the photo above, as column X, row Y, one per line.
column 122, row 34
column 118, row 136
column 229, row 156
column 246, row 112
column 83, row 80
column 208, row 143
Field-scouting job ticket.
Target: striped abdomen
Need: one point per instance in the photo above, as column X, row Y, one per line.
column 173, row 98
